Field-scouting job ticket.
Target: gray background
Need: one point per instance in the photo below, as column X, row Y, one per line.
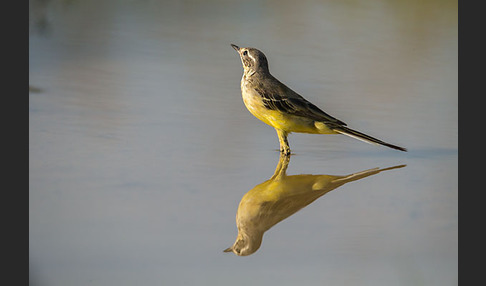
column 141, row 148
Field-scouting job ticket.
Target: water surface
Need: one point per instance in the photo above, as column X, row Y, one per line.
column 141, row 148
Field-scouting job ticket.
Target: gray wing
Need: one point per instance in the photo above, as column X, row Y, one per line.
column 292, row 103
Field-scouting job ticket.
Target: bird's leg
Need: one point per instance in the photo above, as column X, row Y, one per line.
column 284, row 143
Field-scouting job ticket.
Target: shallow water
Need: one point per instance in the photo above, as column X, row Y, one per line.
column 141, row 148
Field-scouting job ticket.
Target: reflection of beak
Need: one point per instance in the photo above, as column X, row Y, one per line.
column 236, row 47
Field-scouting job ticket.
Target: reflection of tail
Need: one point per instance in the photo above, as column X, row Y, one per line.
column 365, row 173
column 363, row 137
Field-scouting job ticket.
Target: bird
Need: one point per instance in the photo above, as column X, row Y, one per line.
column 277, row 105
column 281, row 196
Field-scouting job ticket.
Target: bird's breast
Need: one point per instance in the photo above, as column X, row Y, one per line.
column 275, row 118
column 253, row 102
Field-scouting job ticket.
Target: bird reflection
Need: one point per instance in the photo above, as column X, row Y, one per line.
column 280, row 197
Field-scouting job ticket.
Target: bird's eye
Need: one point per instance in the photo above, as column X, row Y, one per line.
column 245, row 53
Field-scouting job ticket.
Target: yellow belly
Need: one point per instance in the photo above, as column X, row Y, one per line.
column 286, row 122
column 277, row 119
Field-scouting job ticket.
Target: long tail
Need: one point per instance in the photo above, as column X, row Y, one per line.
column 366, row 138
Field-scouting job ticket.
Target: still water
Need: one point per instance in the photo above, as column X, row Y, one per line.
column 141, row 149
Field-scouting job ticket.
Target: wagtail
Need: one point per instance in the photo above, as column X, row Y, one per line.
column 282, row 108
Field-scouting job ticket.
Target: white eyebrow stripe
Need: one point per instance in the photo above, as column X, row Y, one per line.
column 249, row 54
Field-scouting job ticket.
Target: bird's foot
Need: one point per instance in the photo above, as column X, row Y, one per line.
column 285, row 151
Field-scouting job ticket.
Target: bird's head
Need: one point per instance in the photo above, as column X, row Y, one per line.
column 253, row 60
column 245, row 245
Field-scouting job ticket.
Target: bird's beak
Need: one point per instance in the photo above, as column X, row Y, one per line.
column 229, row 249
column 236, row 48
